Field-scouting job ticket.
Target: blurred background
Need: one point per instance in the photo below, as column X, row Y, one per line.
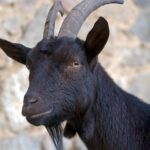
column 126, row 58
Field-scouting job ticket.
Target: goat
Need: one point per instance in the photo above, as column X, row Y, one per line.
column 67, row 83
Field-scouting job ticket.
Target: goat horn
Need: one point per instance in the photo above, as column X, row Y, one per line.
column 50, row 21
column 77, row 16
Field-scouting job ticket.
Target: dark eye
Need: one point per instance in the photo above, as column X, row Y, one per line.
column 76, row 64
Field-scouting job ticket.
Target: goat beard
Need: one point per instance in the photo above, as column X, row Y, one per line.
column 56, row 135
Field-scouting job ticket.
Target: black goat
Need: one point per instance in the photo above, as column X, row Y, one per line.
column 68, row 83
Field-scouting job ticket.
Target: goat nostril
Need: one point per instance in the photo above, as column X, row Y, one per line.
column 30, row 99
column 33, row 100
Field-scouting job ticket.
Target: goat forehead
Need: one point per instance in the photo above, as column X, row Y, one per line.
column 58, row 50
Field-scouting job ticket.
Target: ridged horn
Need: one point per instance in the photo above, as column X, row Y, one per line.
column 77, row 16
column 51, row 18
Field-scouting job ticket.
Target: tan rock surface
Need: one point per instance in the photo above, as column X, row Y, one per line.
column 126, row 58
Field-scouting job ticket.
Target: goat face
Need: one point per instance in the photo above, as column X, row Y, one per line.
column 61, row 81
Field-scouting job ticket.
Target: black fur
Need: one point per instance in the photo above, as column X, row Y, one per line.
column 67, row 83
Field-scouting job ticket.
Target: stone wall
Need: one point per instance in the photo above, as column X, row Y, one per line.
column 126, row 58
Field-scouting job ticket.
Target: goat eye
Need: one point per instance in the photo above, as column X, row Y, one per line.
column 76, row 64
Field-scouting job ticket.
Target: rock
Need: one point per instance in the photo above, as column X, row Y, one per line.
column 28, row 5
column 8, row 1
column 79, row 144
column 4, row 60
column 34, row 31
column 142, row 3
column 123, row 49
column 49, row 145
column 12, row 25
column 21, row 142
column 11, row 99
column 3, row 33
column 139, row 85
column 3, row 121
column 68, row 144
column 134, row 57
column 141, row 27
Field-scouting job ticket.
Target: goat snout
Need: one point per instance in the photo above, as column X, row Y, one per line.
column 31, row 99
column 31, row 103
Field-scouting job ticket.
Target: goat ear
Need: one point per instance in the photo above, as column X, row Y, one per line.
column 17, row 52
column 97, row 38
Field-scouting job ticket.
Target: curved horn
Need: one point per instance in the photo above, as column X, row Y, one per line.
column 50, row 21
column 77, row 16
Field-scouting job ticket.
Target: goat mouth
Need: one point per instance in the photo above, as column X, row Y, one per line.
column 41, row 114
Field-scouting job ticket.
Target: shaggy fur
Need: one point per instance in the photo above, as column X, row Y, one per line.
column 67, row 83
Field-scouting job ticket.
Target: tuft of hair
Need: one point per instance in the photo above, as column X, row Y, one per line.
column 57, row 136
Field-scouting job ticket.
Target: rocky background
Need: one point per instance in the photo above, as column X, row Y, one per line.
column 126, row 58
